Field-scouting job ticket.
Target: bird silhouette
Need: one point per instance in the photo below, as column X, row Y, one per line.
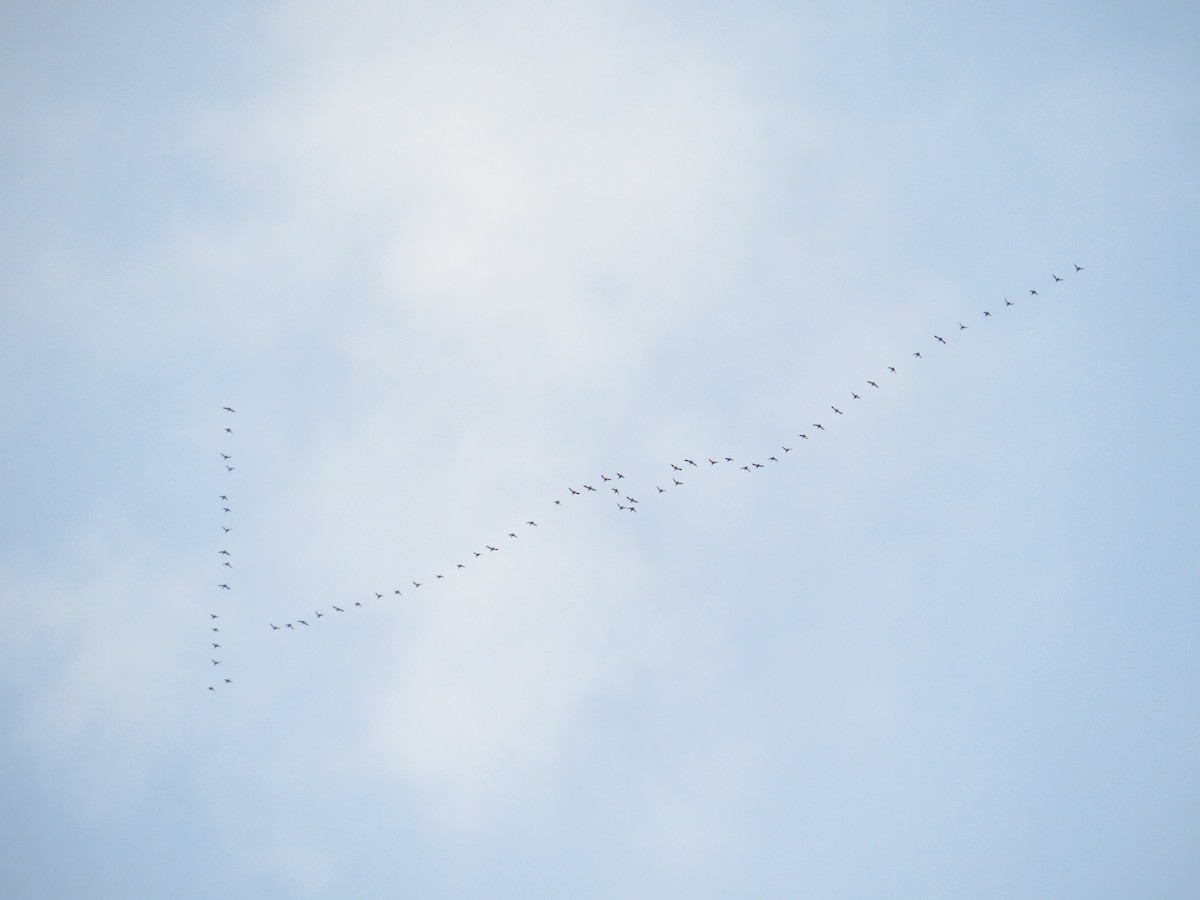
column 1056, row 278
column 941, row 339
column 916, row 356
column 872, row 384
column 338, row 609
column 1032, row 292
column 1078, row 268
column 836, row 410
column 818, row 426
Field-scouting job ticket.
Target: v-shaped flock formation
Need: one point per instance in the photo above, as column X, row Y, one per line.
column 614, row 485
column 216, row 657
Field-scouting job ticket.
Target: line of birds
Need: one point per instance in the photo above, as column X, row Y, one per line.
column 214, row 618
column 616, row 483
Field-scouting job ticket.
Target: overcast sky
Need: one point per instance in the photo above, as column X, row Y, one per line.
column 448, row 261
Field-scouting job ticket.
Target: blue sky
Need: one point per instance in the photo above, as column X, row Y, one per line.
column 447, row 261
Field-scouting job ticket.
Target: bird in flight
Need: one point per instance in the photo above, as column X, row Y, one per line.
column 747, row 468
column 986, row 314
column 490, row 547
column 274, row 627
column 558, row 503
column 676, row 468
column 229, row 468
column 229, row 409
column 302, row 622
column 836, row 410
column 589, row 487
column 573, row 491
column 512, row 534
column 461, row 566
column 711, row 461
column 787, row 449
column 216, row 662
column 227, row 564
column 855, row 396
column 916, row 356
column 222, row 553
column 941, row 339
column 1056, row 278
column 532, row 523
column 229, row 431
column 803, row 437
column 619, row 475
column 819, row 426
column 338, row 609
column 757, row 465
column 962, row 327
column 660, row 490
column 605, row 478
column 689, row 462
column 1032, row 292
column 872, row 384
column 677, row 481
column 1008, row 302
column 229, row 681
column 1078, row 267
column 226, row 530
column 772, row 459
column 892, row 369
column 289, row 626
column 224, row 586
column 226, row 456
column 213, row 616
column 216, row 646
column 320, row 615
column 417, row 584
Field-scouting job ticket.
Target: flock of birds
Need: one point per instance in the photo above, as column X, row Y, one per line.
column 226, row 566
column 614, row 485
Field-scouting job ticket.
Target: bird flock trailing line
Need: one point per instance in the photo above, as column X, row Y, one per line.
column 216, row 656
column 610, row 487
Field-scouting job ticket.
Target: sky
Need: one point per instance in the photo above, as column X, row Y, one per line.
column 449, row 261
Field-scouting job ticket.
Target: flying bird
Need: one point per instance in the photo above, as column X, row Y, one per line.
column 274, row 627
column 229, row 681
column 226, row 530
column 802, row 436
column 223, row 553
column 1008, row 302
column 836, row 410
column 916, row 356
column 986, row 314
column 892, row 369
column 573, row 491
column 677, row 481
column 229, row 409
column 216, row 662
column 787, row 449
column 589, row 487
column 818, row 425
column 302, row 622
column 1078, row 268
column 1032, row 292
column 855, row 396
column 872, row 384
column 962, row 327
column 229, row 468
column 676, row 468
column 1056, row 278
column 941, row 339
column 226, row 456
column 606, row 478
column 213, row 616
column 216, row 646
column 532, row 523
column 490, row 547
column 512, row 534
column 747, row 468
column 229, row 431
column 320, row 615
column 225, row 587
column 689, row 462
column 619, row 475
column 338, row 609
column 417, row 584
column 772, row 459
column 661, row 490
